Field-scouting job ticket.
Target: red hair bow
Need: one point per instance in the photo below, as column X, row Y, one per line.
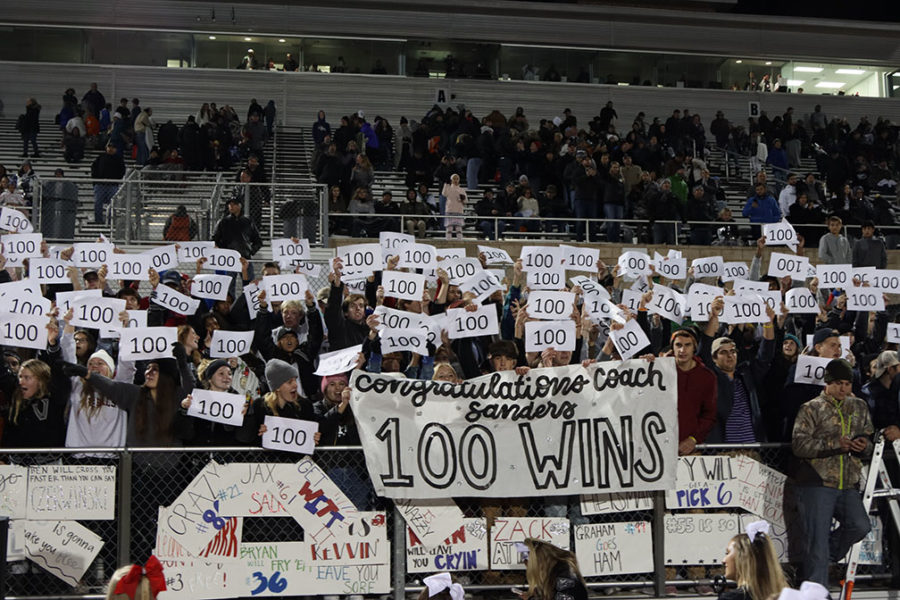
column 132, row 579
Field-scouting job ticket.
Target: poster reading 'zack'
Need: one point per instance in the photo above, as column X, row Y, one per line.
column 566, row 430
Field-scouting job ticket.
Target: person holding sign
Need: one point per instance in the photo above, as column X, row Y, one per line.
column 882, row 392
column 234, row 231
column 344, row 319
column 697, row 392
column 36, row 415
column 152, row 408
column 282, row 400
column 761, row 208
column 552, row 573
column 739, row 417
column 751, row 562
column 285, row 342
column 216, row 377
column 831, row 436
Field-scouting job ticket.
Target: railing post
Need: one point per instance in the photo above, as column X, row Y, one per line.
column 36, row 219
column 659, row 539
column 398, row 548
column 323, row 203
column 272, row 211
column 675, row 225
column 129, row 204
column 496, row 228
column 4, row 537
column 124, row 509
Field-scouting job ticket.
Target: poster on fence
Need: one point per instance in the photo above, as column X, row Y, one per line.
column 190, row 520
column 556, row 431
column 762, row 489
column 698, row 538
column 431, row 521
column 614, row 548
column 465, row 549
column 604, row 504
column 13, row 488
column 223, row 547
column 63, row 548
column 778, row 535
column 86, row 492
column 244, row 491
column 358, row 563
column 193, row 580
column 704, row 482
column 505, row 532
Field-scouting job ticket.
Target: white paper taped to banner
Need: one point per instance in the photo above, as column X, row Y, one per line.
column 712, row 266
column 465, row 324
column 97, row 313
column 704, row 482
column 77, row 492
column 190, row 252
column 559, row 335
column 291, row 286
column 630, row 339
column 223, row 259
column 360, row 260
column 417, row 256
column 13, row 493
column 576, row 258
column 226, row 344
column 465, row 549
column 624, row 399
column 218, row 407
column 811, row 369
column 865, row 299
column 834, row 276
column 91, row 254
column 801, row 301
column 290, row 435
column 24, row 331
column 614, row 548
column 49, row 270
column 175, row 300
column 212, row 287
column 507, row 532
column 405, row 286
column 550, row 305
column 147, row 343
column 15, row 221
column 404, row 340
column 495, row 256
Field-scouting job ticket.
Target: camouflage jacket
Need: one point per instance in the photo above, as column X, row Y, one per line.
column 817, row 432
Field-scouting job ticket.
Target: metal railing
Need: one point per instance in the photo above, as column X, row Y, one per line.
column 151, row 477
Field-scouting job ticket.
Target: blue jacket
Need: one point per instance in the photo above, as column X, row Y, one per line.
column 765, row 211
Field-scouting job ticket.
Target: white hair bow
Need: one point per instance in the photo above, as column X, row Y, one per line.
column 757, row 527
column 440, row 582
column 809, row 590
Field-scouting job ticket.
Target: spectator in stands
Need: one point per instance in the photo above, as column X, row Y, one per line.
column 807, row 219
column 697, row 392
column 752, row 563
column 831, row 435
column 455, row 207
column 249, row 62
column 143, row 135
column 663, row 205
column 834, row 248
column 361, row 203
column 35, row 411
column 290, row 63
column 180, row 227
column 191, row 144
column 587, row 183
column 108, row 166
column 30, row 126
column 613, row 201
column 362, row 174
column 788, row 194
column 741, row 407
column 387, row 206
column 345, row 320
column 74, row 147
column 761, row 208
column 93, row 100
column 489, row 206
column 701, row 207
column 419, row 211
column 552, row 573
column 881, row 394
column 237, row 232
column 269, row 113
column 869, row 251
column 554, row 206
column 320, row 129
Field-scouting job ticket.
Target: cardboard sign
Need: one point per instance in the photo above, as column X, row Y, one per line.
column 464, row 549
column 614, row 548
column 693, row 539
column 13, row 489
column 506, row 532
column 85, row 492
column 63, row 548
column 604, row 504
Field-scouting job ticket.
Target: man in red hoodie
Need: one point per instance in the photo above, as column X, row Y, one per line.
column 697, row 392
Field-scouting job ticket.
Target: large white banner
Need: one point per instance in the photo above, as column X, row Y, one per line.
column 560, row 431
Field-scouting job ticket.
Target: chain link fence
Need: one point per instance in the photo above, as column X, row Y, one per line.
column 148, row 479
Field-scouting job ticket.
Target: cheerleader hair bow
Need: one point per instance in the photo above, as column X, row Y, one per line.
column 154, row 572
column 755, row 528
column 440, row 582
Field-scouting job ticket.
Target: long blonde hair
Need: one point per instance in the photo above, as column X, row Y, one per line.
column 41, row 371
column 543, row 559
column 756, row 566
